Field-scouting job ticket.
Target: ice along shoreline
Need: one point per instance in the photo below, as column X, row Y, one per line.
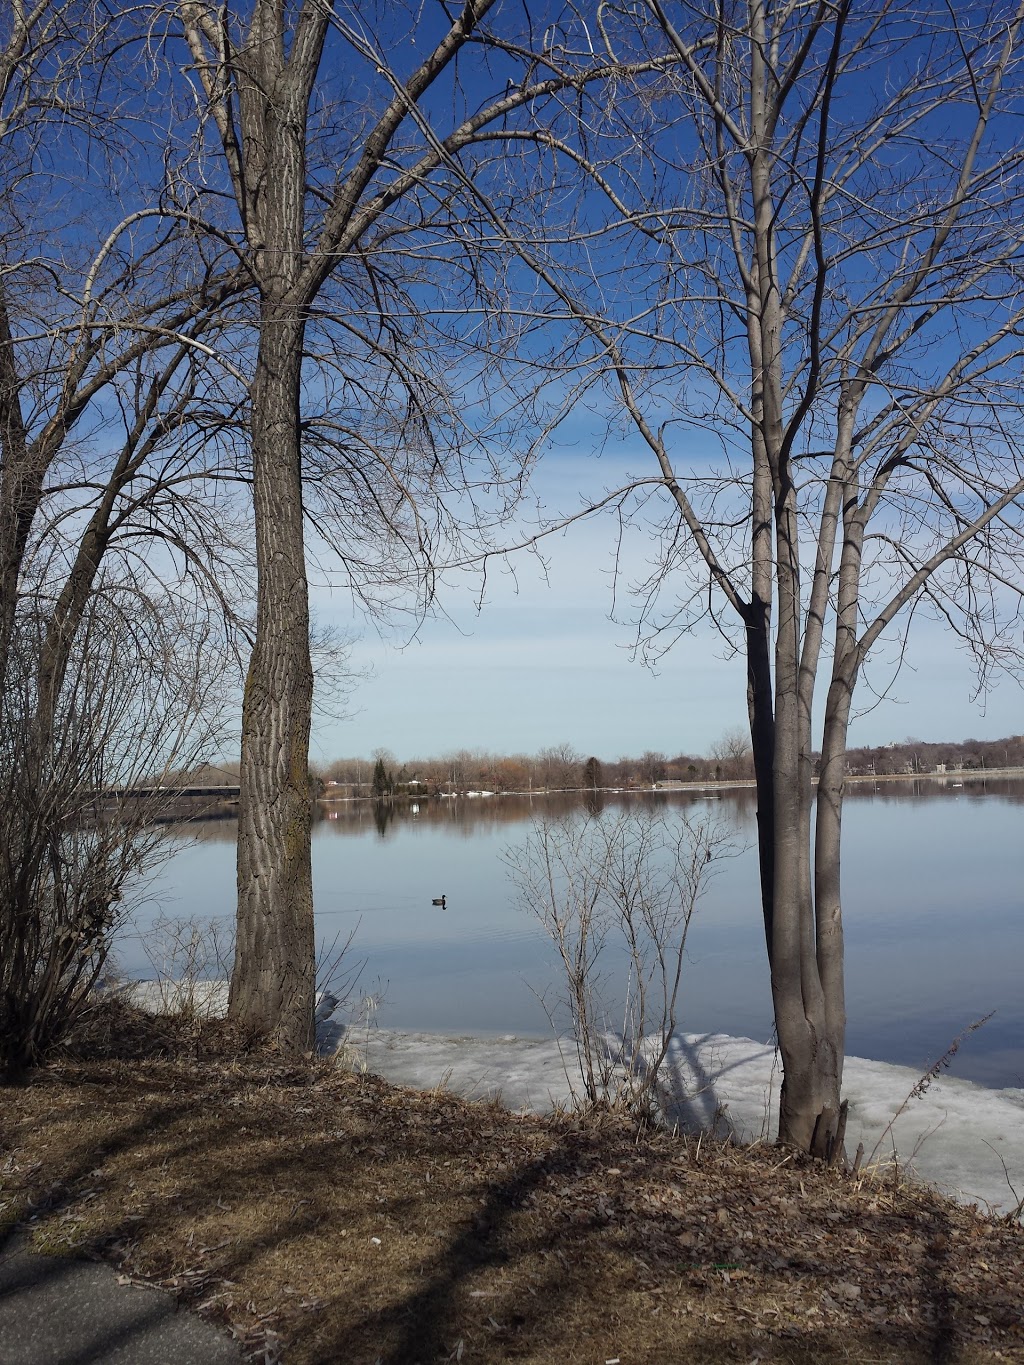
column 964, row 1138
column 959, row 1136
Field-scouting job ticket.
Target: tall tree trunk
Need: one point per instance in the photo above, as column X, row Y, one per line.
column 809, row 1106
column 832, row 776
column 21, row 483
column 273, row 981
column 272, row 987
column 760, row 710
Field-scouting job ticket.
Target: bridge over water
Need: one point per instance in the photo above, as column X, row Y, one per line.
column 225, row 793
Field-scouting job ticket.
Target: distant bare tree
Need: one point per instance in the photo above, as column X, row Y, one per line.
column 559, row 767
column 651, row 767
column 732, row 754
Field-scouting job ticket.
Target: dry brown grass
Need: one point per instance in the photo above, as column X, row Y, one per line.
column 333, row 1218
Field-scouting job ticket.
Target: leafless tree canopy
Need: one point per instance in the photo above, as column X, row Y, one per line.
column 806, row 228
column 119, row 584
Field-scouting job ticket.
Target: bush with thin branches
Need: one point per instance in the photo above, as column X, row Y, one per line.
column 76, row 832
column 619, row 890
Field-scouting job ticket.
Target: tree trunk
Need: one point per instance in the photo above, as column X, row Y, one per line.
column 274, row 979
column 832, row 777
column 809, row 1111
column 273, row 984
column 21, row 483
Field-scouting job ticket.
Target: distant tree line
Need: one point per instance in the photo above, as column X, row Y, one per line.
column 925, row 756
column 557, row 768
column 562, row 768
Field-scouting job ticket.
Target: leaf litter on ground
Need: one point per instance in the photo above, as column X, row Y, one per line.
column 322, row 1215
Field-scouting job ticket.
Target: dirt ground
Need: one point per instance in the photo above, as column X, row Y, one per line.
column 329, row 1217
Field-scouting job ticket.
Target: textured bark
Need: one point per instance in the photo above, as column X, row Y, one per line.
column 273, row 981
column 809, row 1106
column 21, row 482
column 259, row 88
column 273, row 984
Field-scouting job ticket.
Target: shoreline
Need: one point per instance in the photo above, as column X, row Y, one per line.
column 962, row 1137
column 956, row 1136
column 949, row 779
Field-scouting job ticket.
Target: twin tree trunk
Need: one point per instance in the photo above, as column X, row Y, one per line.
column 800, row 884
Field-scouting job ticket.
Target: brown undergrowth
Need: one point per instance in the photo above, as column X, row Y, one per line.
column 330, row 1217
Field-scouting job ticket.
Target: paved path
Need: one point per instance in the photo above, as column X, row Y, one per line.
column 56, row 1310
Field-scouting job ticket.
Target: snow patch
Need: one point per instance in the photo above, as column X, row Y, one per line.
column 956, row 1136
column 964, row 1138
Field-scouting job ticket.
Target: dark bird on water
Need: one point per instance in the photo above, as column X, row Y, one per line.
column 439, row 900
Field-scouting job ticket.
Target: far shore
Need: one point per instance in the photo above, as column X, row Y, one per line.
column 953, row 778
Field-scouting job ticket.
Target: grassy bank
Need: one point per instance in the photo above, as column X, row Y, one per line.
column 327, row 1216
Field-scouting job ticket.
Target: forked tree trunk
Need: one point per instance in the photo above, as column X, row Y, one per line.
column 806, row 1022
column 806, row 965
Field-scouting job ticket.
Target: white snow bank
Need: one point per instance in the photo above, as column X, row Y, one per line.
column 962, row 1137
column 205, row 999
column 956, row 1136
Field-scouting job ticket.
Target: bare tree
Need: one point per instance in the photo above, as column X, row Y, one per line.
column 651, row 767
column 559, row 767
column 732, row 754
column 815, row 228
column 358, row 218
column 103, row 305
column 103, row 364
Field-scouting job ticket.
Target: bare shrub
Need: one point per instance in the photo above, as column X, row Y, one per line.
column 619, row 892
column 191, row 962
column 74, row 837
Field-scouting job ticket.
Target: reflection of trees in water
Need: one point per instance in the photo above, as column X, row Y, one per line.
column 205, row 830
column 964, row 784
column 466, row 816
column 383, row 815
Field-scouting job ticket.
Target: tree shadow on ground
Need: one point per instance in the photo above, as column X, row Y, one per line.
column 364, row 1222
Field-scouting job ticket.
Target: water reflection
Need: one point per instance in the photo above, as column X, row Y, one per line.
column 934, row 914
column 476, row 814
column 952, row 786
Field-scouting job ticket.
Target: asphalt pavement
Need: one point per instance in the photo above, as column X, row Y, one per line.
column 58, row 1310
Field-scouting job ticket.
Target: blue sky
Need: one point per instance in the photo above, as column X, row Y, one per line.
column 542, row 663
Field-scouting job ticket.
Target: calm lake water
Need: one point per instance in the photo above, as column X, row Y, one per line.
column 934, row 912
